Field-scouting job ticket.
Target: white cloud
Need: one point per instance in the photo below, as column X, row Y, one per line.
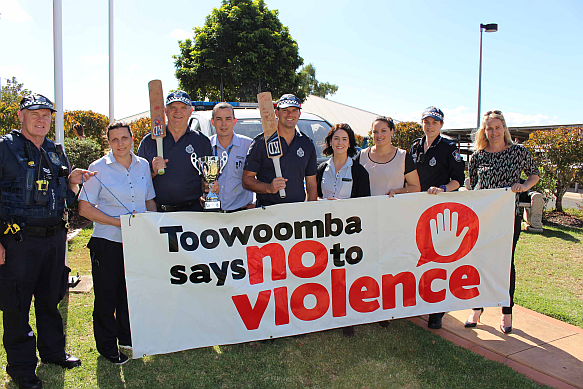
column 180, row 34
column 518, row 119
column 97, row 59
column 13, row 12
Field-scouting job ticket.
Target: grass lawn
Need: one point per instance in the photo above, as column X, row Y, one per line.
column 402, row 355
column 549, row 273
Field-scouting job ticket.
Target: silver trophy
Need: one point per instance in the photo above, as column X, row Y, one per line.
column 210, row 168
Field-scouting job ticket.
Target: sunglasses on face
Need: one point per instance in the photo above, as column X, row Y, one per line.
column 497, row 112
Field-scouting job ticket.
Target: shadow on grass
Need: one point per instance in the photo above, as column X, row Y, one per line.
column 564, row 233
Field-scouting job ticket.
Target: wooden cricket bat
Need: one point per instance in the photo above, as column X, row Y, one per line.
column 157, row 116
column 269, row 124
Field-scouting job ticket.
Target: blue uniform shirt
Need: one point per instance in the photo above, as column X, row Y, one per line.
column 231, row 192
column 298, row 161
column 181, row 182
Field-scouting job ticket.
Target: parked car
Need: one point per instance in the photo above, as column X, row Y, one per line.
column 249, row 124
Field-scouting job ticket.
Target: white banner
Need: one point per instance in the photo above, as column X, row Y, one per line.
column 199, row 279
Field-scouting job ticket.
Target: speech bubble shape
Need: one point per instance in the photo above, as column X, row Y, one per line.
column 466, row 218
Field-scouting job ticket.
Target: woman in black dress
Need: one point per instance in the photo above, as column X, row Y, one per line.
column 498, row 163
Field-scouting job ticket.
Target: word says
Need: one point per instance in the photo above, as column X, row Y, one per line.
column 262, row 233
column 202, row 272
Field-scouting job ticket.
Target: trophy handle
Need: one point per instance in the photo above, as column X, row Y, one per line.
column 224, row 160
column 194, row 161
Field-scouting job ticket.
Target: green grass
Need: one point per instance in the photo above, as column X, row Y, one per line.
column 549, row 273
column 402, row 356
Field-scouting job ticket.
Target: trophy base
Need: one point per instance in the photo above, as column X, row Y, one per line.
column 212, row 205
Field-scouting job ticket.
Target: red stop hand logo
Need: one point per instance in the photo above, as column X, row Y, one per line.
column 446, row 232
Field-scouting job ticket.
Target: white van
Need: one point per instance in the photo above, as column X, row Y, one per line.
column 249, row 124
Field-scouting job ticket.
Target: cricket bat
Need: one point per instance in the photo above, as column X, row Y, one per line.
column 157, row 116
column 269, row 124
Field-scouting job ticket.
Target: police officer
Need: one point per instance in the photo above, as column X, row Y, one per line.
column 36, row 189
column 439, row 165
column 234, row 146
column 298, row 162
column 180, row 187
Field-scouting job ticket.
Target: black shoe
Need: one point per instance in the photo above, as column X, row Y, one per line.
column 119, row 359
column 434, row 322
column 348, row 331
column 506, row 330
column 28, row 381
column 67, row 362
column 384, row 323
column 470, row 324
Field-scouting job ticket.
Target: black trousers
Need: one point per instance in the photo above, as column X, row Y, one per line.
column 37, row 267
column 111, row 320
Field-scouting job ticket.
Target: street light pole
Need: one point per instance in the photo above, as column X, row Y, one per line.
column 492, row 27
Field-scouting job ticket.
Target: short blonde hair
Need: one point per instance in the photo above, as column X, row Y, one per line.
column 481, row 141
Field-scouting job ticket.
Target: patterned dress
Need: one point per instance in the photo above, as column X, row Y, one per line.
column 501, row 169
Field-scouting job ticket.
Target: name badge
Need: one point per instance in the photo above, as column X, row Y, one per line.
column 347, row 179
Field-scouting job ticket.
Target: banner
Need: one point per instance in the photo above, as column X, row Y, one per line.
column 197, row 279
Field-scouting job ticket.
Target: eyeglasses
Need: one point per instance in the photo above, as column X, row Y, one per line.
column 497, row 112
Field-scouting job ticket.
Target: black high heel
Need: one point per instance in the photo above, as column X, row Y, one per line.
column 470, row 324
column 508, row 329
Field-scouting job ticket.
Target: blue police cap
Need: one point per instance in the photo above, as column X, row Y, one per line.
column 36, row 101
column 433, row 112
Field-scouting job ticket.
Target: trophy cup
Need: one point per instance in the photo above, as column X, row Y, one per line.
column 210, row 168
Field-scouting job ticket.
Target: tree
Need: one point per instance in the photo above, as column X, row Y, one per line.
column 13, row 92
column 311, row 86
column 558, row 153
column 243, row 45
column 405, row 134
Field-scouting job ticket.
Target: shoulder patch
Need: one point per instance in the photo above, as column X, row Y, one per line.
column 456, row 155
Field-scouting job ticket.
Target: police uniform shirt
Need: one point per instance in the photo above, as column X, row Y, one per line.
column 231, row 192
column 118, row 188
column 297, row 162
column 11, row 169
column 440, row 164
column 181, row 182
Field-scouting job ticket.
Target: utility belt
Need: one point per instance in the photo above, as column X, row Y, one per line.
column 17, row 229
column 188, row 206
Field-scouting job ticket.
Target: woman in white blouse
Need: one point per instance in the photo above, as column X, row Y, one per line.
column 122, row 185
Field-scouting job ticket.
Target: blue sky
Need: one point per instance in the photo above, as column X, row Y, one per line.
column 389, row 57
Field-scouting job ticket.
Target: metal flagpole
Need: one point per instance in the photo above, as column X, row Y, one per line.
column 58, row 64
column 111, row 88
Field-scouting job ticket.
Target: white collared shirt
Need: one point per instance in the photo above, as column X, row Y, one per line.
column 132, row 187
column 338, row 185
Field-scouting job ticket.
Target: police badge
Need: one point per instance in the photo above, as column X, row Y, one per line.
column 189, row 149
column 432, row 162
column 300, row 152
column 54, row 158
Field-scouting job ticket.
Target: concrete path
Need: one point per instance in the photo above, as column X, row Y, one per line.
column 546, row 350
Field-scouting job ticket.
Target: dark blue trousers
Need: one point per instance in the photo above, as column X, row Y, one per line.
column 37, row 265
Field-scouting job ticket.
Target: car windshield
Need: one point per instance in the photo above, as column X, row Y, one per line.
column 316, row 130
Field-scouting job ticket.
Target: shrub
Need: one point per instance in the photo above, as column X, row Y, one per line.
column 558, row 154
column 82, row 152
column 140, row 128
column 8, row 117
column 94, row 125
column 405, row 134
